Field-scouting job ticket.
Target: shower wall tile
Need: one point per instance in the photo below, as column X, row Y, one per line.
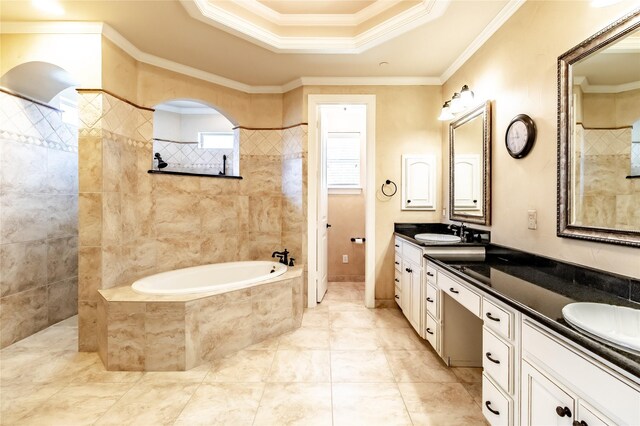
column 111, row 218
column 219, row 215
column 87, row 323
column 23, row 168
column 62, row 172
column 220, row 248
column 63, row 215
column 62, row 300
column 23, row 266
column 23, row 314
column 23, row 217
column 265, row 214
column 62, row 259
column 262, row 175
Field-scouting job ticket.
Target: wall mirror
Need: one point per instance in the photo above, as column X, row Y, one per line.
column 470, row 166
column 190, row 137
column 599, row 136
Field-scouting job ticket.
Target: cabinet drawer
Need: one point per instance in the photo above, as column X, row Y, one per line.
column 397, row 277
column 397, row 242
column 614, row 397
column 497, row 319
column 412, row 253
column 432, row 274
column 397, row 295
column 590, row 416
column 432, row 333
column 497, row 360
column 461, row 293
column 432, row 302
column 496, row 406
column 398, row 261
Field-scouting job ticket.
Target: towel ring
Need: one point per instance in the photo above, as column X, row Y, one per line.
column 389, row 182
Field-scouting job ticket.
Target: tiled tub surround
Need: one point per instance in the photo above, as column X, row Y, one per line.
column 38, row 218
column 133, row 224
column 174, row 333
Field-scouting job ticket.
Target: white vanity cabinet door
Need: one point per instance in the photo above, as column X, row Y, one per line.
column 497, row 408
column 544, row 402
column 587, row 416
column 432, row 333
column 418, row 182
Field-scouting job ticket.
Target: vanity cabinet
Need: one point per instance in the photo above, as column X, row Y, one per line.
column 409, row 273
column 556, row 374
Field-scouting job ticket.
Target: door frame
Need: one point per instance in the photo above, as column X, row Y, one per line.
column 313, row 104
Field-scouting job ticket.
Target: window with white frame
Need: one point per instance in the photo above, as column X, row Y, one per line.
column 215, row 140
column 343, row 160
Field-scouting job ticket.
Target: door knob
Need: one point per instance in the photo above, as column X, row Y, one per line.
column 328, row 225
column 563, row 411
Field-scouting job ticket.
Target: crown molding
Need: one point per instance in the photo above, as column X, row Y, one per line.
column 587, row 87
column 482, row 38
column 345, row 20
column 209, row 13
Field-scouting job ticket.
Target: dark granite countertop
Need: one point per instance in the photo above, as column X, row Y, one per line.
column 540, row 287
column 408, row 231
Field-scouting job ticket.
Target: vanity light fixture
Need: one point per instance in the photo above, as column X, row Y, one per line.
column 458, row 103
column 445, row 114
column 52, row 7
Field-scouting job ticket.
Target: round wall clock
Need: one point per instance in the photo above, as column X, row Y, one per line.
column 520, row 136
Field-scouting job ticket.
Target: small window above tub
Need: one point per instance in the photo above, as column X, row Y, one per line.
column 192, row 138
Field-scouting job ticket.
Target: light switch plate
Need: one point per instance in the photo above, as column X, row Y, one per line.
column 532, row 219
column 345, row 258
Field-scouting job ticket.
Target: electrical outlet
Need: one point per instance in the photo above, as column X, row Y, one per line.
column 345, row 258
column 444, row 212
column 532, row 219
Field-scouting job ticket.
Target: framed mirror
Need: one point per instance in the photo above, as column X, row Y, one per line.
column 470, row 166
column 599, row 136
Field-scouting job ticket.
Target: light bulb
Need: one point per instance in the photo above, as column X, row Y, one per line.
column 466, row 96
column 456, row 103
column 445, row 114
column 49, row 6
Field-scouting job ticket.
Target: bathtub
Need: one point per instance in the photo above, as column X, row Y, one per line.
column 214, row 279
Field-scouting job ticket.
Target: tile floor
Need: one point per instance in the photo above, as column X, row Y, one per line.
column 347, row 365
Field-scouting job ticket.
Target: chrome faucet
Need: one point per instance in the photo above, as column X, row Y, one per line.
column 282, row 255
column 458, row 230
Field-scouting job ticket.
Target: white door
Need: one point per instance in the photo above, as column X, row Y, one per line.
column 418, row 182
column 323, row 218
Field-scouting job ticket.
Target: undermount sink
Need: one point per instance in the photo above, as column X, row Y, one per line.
column 438, row 238
column 618, row 326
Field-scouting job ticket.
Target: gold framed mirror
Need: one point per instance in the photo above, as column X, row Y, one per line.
column 470, row 166
column 599, row 136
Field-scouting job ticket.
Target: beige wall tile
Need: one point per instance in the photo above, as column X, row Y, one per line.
column 113, row 266
column 62, row 300
column 90, row 219
column 23, row 266
column 111, row 165
column 62, row 172
column 62, row 259
column 220, row 248
column 259, row 246
column 225, row 328
column 220, row 214
column 138, row 259
column 22, row 314
column 126, row 336
column 137, row 216
column 90, row 164
column 164, row 329
column 175, row 253
column 23, row 217
column 102, row 329
column 213, row 187
column 23, row 168
column 178, row 215
column 265, row 214
column 87, row 341
column 170, row 185
column 111, row 218
column 89, row 272
column 272, row 310
column 262, row 175
column 63, row 215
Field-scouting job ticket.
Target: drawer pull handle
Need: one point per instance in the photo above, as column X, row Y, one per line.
column 430, row 300
column 397, row 263
column 397, row 280
column 397, row 245
column 397, row 297
column 453, row 290
column 492, row 318
column 563, row 411
column 579, row 423
column 408, row 270
column 488, row 405
column 429, row 274
column 495, row 361
column 429, row 331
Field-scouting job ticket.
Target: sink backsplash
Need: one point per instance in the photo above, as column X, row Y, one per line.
column 437, row 228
